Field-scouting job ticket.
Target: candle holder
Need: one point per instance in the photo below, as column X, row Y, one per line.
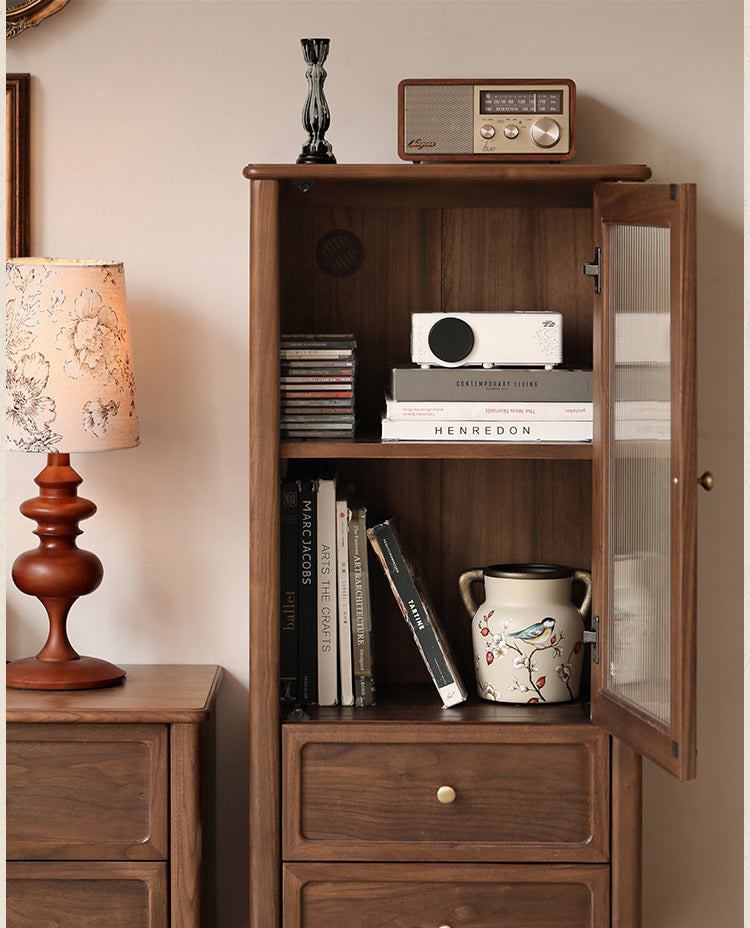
column 316, row 117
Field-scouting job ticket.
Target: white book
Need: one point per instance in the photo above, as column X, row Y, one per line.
column 478, row 430
column 500, row 411
column 327, row 621
column 344, row 606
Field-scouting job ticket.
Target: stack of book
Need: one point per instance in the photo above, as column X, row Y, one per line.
column 325, row 615
column 317, row 386
column 484, row 405
column 325, row 611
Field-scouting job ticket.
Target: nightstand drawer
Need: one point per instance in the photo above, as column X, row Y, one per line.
column 460, row 896
column 84, row 792
column 79, row 895
column 522, row 793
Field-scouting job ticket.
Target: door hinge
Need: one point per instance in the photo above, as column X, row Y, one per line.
column 591, row 636
column 594, row 269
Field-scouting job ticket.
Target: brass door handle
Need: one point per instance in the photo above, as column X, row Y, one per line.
column 706, row 480
column 446, row 794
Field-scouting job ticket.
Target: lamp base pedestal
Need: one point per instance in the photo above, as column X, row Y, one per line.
column 81, row 673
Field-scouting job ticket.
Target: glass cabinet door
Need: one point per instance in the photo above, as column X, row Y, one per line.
column 643, row 687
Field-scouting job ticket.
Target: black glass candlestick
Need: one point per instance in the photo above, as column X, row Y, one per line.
column 315, row 116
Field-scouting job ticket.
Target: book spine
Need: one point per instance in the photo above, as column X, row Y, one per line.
column 361, row 617
column 397, row 411
column 328, row 671
column 419, row 613
column 441, row 384
column 447, row 430
column 308, row 595
column 288, row 580
column 346, row 679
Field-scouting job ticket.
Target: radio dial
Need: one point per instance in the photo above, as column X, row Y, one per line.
column 510, row 132
column 487, row 132
column 545, row 132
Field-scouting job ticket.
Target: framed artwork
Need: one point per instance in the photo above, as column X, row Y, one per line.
column 17, row 165
column 22, row 14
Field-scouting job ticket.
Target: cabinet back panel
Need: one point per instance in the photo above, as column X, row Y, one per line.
column 427, row 260
column 541, row 513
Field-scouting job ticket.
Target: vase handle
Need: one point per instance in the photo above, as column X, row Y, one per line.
column 465, row 582
column 584, row 577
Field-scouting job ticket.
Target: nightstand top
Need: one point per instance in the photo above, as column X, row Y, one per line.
column 150, row 693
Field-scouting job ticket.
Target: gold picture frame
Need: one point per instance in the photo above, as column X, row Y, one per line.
column 17, row 165
column 20, row 14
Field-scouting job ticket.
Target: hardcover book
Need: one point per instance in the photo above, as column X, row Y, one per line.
column 307, row 594
column 444, row 384
column 501, row 411
column 346, row 680
column 479, row 430
column 288, row 576
column 417, row 609
column 361, row 616
column 328, row 670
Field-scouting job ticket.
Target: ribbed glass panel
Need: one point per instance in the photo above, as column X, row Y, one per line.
column 639, row 646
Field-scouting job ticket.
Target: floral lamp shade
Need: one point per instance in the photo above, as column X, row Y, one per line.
column 69, row 370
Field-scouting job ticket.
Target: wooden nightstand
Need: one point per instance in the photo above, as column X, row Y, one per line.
column 109, row 797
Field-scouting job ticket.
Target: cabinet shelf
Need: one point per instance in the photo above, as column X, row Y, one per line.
column 417, row 704
column 374, row 448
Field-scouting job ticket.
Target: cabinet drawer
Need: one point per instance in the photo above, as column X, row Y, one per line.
column 82, row 792
column 459, row 896
column 522, row 793
column 86, row 895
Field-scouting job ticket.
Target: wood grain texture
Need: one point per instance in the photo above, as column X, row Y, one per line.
column 456, row 895
column 87, row 792
column 86, row 895
column 151, row 693
column 263, row 574
column 627, row 790
column 186, row 825
column 363, row 792
column 89, row 780
column 553, row 174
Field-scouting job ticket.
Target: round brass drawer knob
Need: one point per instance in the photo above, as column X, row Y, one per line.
column 706, row 480
column 446, row 795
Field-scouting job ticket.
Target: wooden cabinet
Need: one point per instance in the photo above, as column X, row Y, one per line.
column 108, row 793
column 545, row 826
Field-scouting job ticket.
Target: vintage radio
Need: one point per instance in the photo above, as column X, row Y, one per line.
column 486, row 120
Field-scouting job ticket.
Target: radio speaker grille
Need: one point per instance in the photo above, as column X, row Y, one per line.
column 441, row 114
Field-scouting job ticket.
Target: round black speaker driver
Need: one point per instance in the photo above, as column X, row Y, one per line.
column 451, row 340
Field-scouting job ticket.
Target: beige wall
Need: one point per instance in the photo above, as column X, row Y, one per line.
column 145, row 113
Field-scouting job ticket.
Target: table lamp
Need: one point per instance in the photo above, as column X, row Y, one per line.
column 69, row 388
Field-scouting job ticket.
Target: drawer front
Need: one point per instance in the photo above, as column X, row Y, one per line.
column 529, row 793
column 85, row 895
column 83, row 792
column 458, row 896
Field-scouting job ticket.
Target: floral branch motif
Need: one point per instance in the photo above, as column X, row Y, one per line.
column 92, row 342
column 29, row 414
column 498, row 646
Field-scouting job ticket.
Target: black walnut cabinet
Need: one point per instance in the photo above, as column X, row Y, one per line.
column 346, row 827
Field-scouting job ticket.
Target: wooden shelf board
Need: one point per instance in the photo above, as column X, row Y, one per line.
column 373, row 448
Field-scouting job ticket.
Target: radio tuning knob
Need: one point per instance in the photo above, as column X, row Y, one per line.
column 545, row 132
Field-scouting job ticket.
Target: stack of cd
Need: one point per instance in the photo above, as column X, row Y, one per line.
column 317, row 386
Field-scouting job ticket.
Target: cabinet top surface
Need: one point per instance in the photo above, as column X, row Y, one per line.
column 150, row 693
column 500, row 173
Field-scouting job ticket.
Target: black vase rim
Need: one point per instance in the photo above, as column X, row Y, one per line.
column 528, row 571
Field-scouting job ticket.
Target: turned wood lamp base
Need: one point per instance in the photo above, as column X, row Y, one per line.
column 57, row 572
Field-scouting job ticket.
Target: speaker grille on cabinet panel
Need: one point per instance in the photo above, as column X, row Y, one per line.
column 439, row 113
column 339, row 253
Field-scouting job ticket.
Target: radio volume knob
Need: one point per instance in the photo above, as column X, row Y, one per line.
column 545, row 132
column 487, row 132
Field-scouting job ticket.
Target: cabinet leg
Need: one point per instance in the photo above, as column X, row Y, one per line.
column 626, row 836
